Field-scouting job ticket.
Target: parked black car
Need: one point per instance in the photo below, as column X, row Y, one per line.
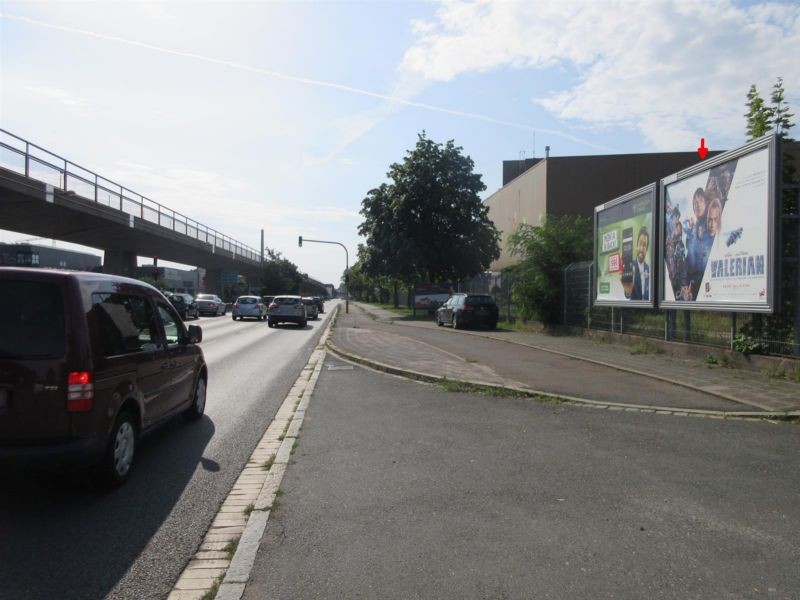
column 88, row 364
column 185, row 305
column 464, row 310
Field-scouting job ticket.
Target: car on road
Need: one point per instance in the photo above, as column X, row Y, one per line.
column 249, row 306
column 320, row 304
column 311, row 307
column 185, row 305
column 287, row 309
column 211, row 304
column 89, row 363
column 464, row 310
column 267, row 300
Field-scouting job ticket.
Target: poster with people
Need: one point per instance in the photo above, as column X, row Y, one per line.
column 624, row 249
column 716, row 239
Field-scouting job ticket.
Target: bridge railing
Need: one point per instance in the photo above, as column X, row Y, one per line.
column 26, row 158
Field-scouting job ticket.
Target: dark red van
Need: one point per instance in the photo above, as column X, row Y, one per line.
column 89, row 363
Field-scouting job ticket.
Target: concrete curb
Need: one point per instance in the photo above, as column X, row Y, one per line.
column 596, row 362
column 244, row 514
column 430, row 378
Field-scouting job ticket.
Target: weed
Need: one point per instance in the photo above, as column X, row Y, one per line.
column 640, row 348
column 230, row 548
column 248, row 509
column 281, row 436
column 276, row 504
column 294, row 446
column 711, row 360
column 776, row 372
column 470, row 360
column 747, row 345
column 490, row 390
column 268, row 463
column 212, row 591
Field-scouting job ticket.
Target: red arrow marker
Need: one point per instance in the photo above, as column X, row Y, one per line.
column 702, row 150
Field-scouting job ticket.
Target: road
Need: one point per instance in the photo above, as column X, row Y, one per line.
column 402, row 490
column 60, row 537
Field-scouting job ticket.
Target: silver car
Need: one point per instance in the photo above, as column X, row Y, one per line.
column 287, row 309
column 210, row 304
column 312, row 309
column 249, row 306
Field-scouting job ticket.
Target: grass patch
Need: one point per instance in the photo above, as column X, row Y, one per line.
column 230, row 548
column 470, row 360
column 450, row 385
column 212, row 592
column 711, row 360
column 248, row 509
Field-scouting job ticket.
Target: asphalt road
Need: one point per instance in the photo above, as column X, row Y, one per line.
column 61, row 537
column 403, row 490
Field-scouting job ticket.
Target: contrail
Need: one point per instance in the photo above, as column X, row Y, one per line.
column 304, row 80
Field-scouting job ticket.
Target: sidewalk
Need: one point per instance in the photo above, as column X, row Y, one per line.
column 573, row 367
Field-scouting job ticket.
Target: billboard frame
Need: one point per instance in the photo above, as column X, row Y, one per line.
column 771, row 143
column 655, row 241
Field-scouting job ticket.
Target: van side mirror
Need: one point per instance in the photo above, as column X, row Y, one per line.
column 195, row 334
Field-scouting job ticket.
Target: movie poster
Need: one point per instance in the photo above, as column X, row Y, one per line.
column 716, row 239
column 624, row 249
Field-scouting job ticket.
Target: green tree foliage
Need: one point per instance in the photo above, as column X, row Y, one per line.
column 279, row 275
column 759, row 115
column 781, row 117
column 544, row 252
column 429, row 223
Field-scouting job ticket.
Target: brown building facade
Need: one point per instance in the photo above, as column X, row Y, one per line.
column 572, row 185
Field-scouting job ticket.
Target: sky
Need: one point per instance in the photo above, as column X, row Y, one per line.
column 283, row 115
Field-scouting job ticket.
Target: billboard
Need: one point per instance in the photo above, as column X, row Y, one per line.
column 430, row 296
column 718, row 232
column 624, row 245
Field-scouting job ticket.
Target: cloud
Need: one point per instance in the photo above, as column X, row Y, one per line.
column 674, row 71
column 404, row 88
column 57, row 94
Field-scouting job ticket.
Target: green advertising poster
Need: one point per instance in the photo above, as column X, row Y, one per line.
column 624, row 251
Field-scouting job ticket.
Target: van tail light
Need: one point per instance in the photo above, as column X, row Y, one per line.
column 235, row 305
column 80, row 391
column 273, row 305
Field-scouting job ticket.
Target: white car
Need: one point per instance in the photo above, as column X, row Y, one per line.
column 249, row 306
column 287, row 309
column 312, row 309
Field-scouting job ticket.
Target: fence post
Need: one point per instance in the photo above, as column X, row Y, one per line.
column 612, row 319
column 733, row 328
column 564, row 296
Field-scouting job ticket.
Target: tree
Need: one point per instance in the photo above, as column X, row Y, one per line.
column 429, row 223
column 759, row 115
column 545, row 251
column 780, row 111
column 279, row 275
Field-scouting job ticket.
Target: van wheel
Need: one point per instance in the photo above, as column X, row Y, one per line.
column 121, row 452
column 198, row 407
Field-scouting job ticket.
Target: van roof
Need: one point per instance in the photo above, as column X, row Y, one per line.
column 81, row 276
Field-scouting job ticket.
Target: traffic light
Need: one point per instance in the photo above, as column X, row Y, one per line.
column 300, row 241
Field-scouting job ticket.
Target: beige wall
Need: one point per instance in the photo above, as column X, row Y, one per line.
column 522, row 200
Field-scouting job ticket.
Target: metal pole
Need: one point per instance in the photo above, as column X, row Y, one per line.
column 346, row 269
column 733, row 328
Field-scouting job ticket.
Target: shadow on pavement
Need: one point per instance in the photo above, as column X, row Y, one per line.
column 62, row 536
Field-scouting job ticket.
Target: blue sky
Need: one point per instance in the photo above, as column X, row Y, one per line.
column 283, row 115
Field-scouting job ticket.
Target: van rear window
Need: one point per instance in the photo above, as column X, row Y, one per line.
column 31, row 320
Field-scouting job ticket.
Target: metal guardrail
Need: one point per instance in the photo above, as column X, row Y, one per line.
column 26, row 158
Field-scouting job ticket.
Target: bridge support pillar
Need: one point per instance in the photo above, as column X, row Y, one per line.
column 212, row 282
column 119, row 262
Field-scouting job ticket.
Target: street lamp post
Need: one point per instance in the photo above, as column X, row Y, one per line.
column 300, row 241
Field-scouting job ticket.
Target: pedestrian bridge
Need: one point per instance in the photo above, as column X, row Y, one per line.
column 46, row 195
